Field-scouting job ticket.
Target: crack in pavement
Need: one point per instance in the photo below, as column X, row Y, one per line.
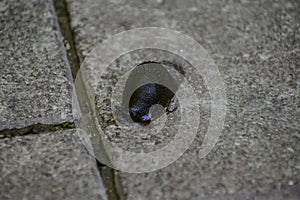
column 108, row 174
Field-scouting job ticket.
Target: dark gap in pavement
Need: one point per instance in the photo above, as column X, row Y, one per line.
column 35, row 129
column 110, row 181
column 63, row 17
column 108, row 175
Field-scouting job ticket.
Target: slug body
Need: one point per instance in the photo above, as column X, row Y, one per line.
column 146, row 96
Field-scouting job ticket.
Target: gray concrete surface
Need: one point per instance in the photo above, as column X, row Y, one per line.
column 36, row 95
column 48, row 166
column 35, row 80
column 256, row 46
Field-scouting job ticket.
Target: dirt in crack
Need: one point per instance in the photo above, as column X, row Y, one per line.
column 63, row 16
column 61, row 9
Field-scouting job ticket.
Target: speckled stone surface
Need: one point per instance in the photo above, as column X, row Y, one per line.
column 256, row 46
column 48, row 166
column 35, row 80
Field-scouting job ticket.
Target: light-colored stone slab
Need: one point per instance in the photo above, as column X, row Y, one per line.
column 35, row 79
column 256, row 47
column 48, row 166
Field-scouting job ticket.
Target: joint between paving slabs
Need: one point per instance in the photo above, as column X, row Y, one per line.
column 111, row 181
column 63, row 17
column 36, row 129
column 109, row 175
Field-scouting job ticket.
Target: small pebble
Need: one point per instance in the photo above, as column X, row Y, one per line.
column 68, row 46
column 289, row 78
column 35, row 73
column 290, row 150
column 231, row 190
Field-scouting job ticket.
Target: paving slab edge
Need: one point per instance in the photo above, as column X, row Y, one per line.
column 21, row 125
column 112, row 185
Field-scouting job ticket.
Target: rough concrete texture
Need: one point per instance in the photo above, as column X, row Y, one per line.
column 35, row 80
column 48, row 166
column 123, row 133
column 256, row 46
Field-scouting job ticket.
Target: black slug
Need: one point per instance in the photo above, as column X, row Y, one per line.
column 146, row 96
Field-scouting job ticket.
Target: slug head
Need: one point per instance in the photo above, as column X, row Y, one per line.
column 140, row 114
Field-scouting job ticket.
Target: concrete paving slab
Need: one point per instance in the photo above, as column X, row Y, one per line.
column 256, row 47
column 48, row 166
column 35, row 81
